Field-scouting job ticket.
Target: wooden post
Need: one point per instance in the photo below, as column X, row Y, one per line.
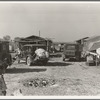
column 96, row 60
column 39, row 33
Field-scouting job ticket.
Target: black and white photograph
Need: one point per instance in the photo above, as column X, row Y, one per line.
column 49, row 48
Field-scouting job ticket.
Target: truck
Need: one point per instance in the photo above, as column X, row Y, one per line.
column 28, row 52
column 5, row 56
column 71, row 50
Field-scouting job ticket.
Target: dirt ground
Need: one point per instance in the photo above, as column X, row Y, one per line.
column 67, row 78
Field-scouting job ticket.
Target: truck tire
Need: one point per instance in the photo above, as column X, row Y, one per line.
column 29, row 61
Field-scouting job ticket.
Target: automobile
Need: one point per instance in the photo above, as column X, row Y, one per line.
column 93, row 54
column 90, row 60
column 28, row 54
column 5, row 56
column 71, row 50
column 93, row 57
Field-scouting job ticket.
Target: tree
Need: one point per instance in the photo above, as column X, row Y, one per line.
column 7, row 38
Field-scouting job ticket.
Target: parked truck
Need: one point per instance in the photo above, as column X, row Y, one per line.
column 72, row 50
column 5, row 56
column 28, row 54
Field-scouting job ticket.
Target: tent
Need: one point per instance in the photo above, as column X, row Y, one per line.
column 94, row 46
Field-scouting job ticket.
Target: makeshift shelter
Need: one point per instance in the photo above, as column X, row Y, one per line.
column 90, row 42
column 33, row 40
column 95, row 46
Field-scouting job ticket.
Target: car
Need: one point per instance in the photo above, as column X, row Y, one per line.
column 28, row 54
column 5, row 56
column 71, row 50
column 92, row 58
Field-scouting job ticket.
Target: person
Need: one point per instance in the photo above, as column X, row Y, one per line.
column 53, row 49
column 18, row 54
column 3, row 65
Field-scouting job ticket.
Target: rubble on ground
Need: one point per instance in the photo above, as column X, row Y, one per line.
column 39, row 82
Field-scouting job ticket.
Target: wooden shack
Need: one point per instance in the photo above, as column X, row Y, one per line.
column 33, row 40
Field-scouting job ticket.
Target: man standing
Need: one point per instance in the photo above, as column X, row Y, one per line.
column 18, row 54
column 3, row 87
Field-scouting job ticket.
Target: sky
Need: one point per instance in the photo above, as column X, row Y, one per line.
column 62, row 22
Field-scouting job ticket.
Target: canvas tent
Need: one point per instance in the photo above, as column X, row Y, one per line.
column 95, row 46
column 90, row 42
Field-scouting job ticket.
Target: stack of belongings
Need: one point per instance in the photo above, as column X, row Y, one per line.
column 41, row 53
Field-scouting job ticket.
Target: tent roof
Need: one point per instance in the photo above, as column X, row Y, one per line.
column 95, row 46
column 93, row 38
column 85, row 38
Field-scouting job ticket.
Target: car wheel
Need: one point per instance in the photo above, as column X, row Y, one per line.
column 29, row 61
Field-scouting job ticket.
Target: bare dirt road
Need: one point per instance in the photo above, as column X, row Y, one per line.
column 56, row 78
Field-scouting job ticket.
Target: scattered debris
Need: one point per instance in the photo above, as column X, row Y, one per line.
column 39, row 82
column 55, row 85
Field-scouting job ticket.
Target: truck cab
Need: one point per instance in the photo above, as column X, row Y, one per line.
column 5, row 56
column 71, row 50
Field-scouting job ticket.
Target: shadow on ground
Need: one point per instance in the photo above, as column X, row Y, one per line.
column 58, row 64
column 74, row 60
column 25, row 70
column 50, row 64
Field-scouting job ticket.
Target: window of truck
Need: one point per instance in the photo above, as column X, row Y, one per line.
column 70, row 47
column 27, row 48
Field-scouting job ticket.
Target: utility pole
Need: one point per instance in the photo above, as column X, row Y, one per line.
column 39, row 33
